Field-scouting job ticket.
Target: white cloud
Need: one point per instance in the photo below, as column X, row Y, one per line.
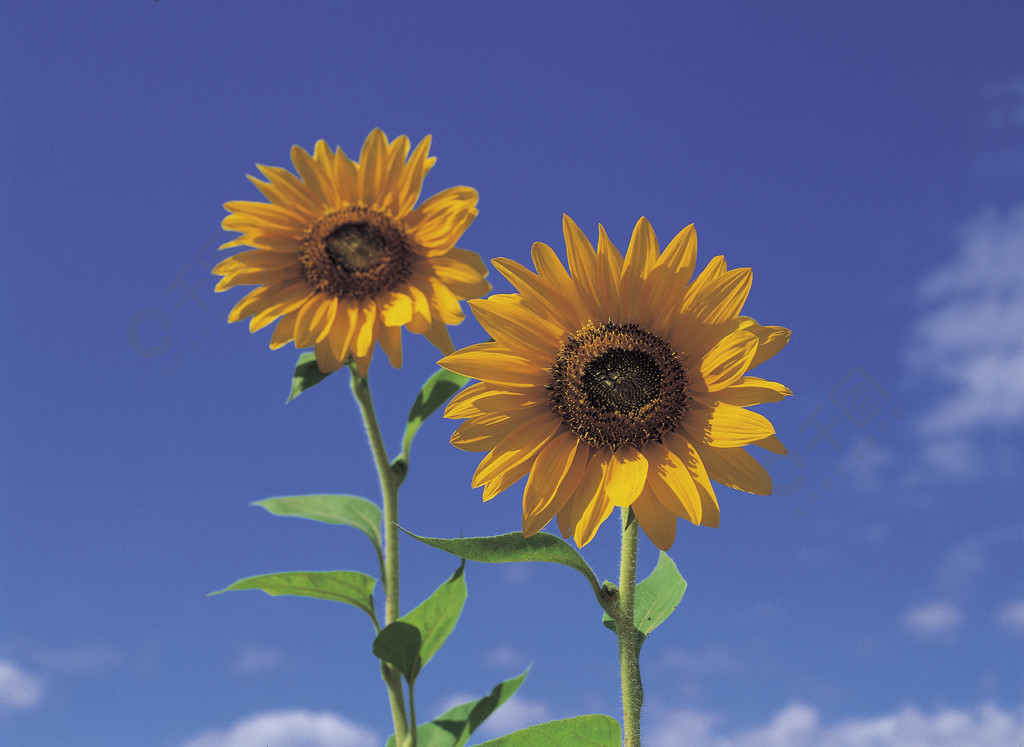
column 1011, row 617
column 504, row 657
column 257, row 659
column 295, row 728
column 937, row 620
column 713, row 659
column 80, row 660
column 800, row 725
column 517, row 713
column 970, row 340
column 19, row 690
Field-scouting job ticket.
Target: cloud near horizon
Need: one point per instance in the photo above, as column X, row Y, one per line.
column 800, row 725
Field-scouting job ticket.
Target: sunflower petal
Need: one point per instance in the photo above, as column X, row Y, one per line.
column 735, row 468
column 555, row 475
column 625, row 476
column 658, row 523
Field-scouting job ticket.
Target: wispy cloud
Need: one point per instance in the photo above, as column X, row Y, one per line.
column 800, row 725
column 933, row 621
column 714, row 659
column 295, row 728
column 1011, row 617
column 91, row 659
column 517, row 713
column 968, row 348
column 19, row 690
column 258, row 659
column 505, row 657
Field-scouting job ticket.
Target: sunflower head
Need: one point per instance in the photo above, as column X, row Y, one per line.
column 342, row 260
column 620, row 382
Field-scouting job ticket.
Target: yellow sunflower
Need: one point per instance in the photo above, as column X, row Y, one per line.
column 619, row 383
column 343, row 261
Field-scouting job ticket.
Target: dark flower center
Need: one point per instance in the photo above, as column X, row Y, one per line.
column 616, row 384
column 355, row 253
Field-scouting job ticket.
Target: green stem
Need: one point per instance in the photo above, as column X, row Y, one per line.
column 389, row 492
column 629, row 661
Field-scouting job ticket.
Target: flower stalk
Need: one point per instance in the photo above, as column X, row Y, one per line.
column 389, row 481
column 629, row 654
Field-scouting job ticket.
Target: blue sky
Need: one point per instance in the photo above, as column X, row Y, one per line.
column 867, row 160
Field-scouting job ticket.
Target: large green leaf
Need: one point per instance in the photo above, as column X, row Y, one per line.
column 331, row 509
column 437, row 390
column 399, row 644
column 433, row 620
column 581, row 731
column 514, row 547
column 350, row 587
column 454, row 727
column 656, row 597
column 307, row 374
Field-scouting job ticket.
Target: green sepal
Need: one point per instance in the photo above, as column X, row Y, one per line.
column 350, row 510
column 410, row 641
column 350, row 587
column 307, row 374
column 656, row 597
column 454, row 727
column 513, row 548
column 435, row 391
column 582, row 731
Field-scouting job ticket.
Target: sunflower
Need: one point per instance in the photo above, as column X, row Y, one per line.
column 343, row 261
column 619, row 383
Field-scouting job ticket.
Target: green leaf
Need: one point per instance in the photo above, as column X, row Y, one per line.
column 581, row 731
column 514, row 547
column 351, row 510
column 454, row 727
column 656, row 598
column 433, row 621
column 399, row 644
column 350, row 587
column 307, row 374
column 437, row 390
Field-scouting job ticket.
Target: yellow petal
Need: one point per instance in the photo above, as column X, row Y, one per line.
column 482, row 434
column 583, row 267
column 371, row 166
column 640, row 258
column 671, row 480
column 772, row 444
column 437, row 224
column 412, row 179
column 463, row 272
column 313, row 176
column 736, row 469
column 555, row 476
column 518, row 446
column 518, row 328
column 609, row 275
column 492, row 362
column 395, row 308
column 390, row 339
column 506, row 480
column 599, row 508
column 770, row 341
column 658, row 523
column 366, row 333
column 284, row 331
column 709, row 513
column 339, row 336
column 751, row 390
column 725, row 363
column 725, row 425
column 625, row 476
